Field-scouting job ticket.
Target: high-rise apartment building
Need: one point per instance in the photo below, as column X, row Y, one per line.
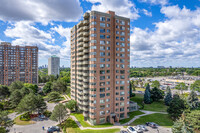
column 18, row 63
column 54, row 65
column 100, row 58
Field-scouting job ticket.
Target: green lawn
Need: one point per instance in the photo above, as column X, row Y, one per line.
column 69, row 126
column 155, row 106
column 80, row 118
column 160, row 119
column 131, row 115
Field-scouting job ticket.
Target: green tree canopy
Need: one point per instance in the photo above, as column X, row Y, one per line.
column 181, row 86
column 31, row 103
column 33, row 88
column 4, row 91
column 15, row 98
column 53, row 96
column 5, row 120
column 156, row 84
column 196, row 86
column 168, row 96
column 176, row 107
column 59, row 113
column 47, row 87
column 156, row 94
column 192, row 100
column 59, row 86
column 71, row 105
column 147, row 95
column 16, row 85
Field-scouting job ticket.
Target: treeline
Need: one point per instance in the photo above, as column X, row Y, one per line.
column 153, row 72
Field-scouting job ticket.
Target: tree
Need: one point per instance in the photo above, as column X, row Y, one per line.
column 156, row 94
column 187, row 123
column 59, row 86
column 196, row 86
column 24, row 91
column 176, row 107
column 156, row 84
column 4, row 92
column 4, row 120
column 71, row 105
column 47, row 87
column 16, row 85
column 147, row 95
column 15, row 98
column 168, row 96
column 192, row 100
column 53, row 96
column 59, row 113
column 181, row 86
column 32, row 87
column 31, row 103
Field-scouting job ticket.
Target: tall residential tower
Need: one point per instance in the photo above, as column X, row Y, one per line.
column 100, row 58
column 54, row 65
column 18, row 63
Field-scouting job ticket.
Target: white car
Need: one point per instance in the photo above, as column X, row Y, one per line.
column 131, row 129
column 142, row 127
column 138, row 129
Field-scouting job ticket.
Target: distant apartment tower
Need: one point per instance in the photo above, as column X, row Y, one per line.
column 54, row 65
column 100, row 58
column 18, row 63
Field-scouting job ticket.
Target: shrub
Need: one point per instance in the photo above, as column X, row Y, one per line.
column 47, row 113
column 25, row 117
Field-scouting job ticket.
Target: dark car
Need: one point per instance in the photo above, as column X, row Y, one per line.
column 153, row 125
column 50, row 130
column 123, row 131
column 55, row 128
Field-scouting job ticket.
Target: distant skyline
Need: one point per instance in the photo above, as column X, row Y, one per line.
column 163, row 32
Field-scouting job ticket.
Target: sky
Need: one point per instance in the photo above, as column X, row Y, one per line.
column 163, row 32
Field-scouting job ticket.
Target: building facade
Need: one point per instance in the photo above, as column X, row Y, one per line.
column 18, row 63
column 100, row 58
column 54, row 65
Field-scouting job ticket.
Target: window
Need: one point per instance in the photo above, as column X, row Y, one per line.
column 122, row 33
column 93, row 65
column 117, row 21
column 117, row 43
column 102, row 71
column 102, row 36
column 93, row 29
column 122, row 39
column 93, row 23
column 108, row 36
column 102, row 25
column 93, row 47
column 102, row 53
column 117, row 37
column 102, row 18
column 93, row 17
column 117, row 32
column 93, row 41
column 102, row 95
column 122, row 28
column 108, row 30
column 102, row 101
column 122, row 49
column 107, row 65
column 122, row 44
column 93, row 53
column 102, row 30
column 102, row 59
column 102, row 48
column 108, row 25
column 122, row 22
column 107, row 42
column 102, row 42
column 108, row 19
column 108, row 48
column 102, row 65
column 93, row 35
column 93, row 59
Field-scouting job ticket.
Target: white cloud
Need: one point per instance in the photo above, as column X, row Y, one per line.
column 155, row 2
column 175, row 40
column 147, row 13
column 121, row 7
column 40, row 10
column 24, row 33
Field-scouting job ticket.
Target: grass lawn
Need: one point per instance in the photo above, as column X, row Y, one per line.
column 155, row 106
column 160, row 119
column 131, row 115
column 139, row 89
column 71, row 127
column 17, row 121
column 80, row 118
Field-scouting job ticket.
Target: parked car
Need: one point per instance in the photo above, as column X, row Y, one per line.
column 142, row 127
column 49, row 130
column 138, row 129
column 55, row 128
column 131, row 129
column 123, row 131
column 152, row 124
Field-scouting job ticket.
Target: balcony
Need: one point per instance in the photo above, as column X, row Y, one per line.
column 80, row 44
column 85, row 74
column 85, row 34
column 86, row 15
column 85, row 114
column 80, row 39
column 85, row 56
column 86, row 91
column 85, row 97
column 85, row 28
column 85, row 108
column 85, row 68
column 80, row 49
column 86, row 85
column 85, row 39
column 79, row 63
column 85, row 103
column 85, row 62
column 86, row 51
column 85, row 22
column 85, row 45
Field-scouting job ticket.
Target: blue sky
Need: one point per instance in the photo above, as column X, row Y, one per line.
column 163, row 32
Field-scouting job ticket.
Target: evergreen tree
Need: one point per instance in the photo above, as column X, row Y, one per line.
column 193, row 100
column 156, row 94
column 15, row 98
column 4, row 91
column 176, row 107
column 168, row 96
column 147, row 95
